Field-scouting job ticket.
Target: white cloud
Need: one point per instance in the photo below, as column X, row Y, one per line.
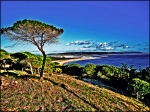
column 67, row 44
column 79, row 42
column 90, row 45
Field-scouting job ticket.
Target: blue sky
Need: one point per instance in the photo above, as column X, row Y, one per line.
column 88, row 25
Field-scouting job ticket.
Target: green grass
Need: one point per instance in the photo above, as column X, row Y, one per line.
column 61, row 93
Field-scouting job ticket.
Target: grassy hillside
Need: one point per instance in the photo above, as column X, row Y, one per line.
column 60, row 93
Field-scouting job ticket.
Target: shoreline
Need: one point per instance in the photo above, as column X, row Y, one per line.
column 62, row 62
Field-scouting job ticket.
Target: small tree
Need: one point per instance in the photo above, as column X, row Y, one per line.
column 37, row 64
column 30, row 59
column 73, row 69
column 139, row 88
column 4, row 58
column 25, row 58
column 89, row 69
column 146, row 74
column 20, row 62
column 34, row 32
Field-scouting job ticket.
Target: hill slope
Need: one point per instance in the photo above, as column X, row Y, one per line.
column 60, row 93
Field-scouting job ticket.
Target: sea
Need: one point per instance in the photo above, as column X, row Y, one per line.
column 137, row 60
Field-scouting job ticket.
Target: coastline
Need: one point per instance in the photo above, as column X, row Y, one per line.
column 108, row 60
column 62, row 62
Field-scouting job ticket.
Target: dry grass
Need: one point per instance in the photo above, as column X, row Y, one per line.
column 61, row 93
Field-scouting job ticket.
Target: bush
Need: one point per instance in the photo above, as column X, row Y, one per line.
column 18, row 66
column 146, row 74
column 48, row 70
column 98, row 68
column 107, row 71
column 20, row 73
column 58, row 70
column 73, row 69
column 139, row 88
column 89, row 69
column 101, row 76
column 54, row 64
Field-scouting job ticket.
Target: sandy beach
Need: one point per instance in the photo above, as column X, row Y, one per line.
column 62, row 62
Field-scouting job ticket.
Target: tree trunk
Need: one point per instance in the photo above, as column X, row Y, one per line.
column 22, row 69
column 137, row 95
column 4, row 67
column 38, row 70
column 43, row 64
column 31, row 69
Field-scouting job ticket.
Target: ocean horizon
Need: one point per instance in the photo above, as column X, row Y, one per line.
column 137, row 60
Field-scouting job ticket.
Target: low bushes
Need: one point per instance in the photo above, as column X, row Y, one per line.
column 58, row 70
column 124, row 78
column 73, row 69
column 106, row 72
column 139, row 88
column 89, row 70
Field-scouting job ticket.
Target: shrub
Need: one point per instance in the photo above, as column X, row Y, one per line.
column 99, row 68
column 103, row 77
column 146, row 74
column 58, row 70
column 54, row 64
column 89, row 69
column 18, row 66
column 48, row 70
column 73, row 69
column 99, row 74
column 139, row 88
column 19, row 73
column 105, row 70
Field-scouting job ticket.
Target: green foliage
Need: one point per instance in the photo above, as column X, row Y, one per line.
column 30, row 23
column 123, row 73
column 102, row 77
column 48, row 66
column 30, row 26
column 145, row 74
column 48, row 70
column 37, row 63
column 48, row 61
column 20, row 56
column 25, row 59
column 58, row 70
column 5, row 58
column 73, row 69
column 33, row 23
column 20, row 73
column 139, row 88
column 99, row 74
column 99, row 68
column 2, row 50
column 4, row 54
column 107, row 71
column 52, row 67
column 33, row 32
column 56, row 63
column 89, row 69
